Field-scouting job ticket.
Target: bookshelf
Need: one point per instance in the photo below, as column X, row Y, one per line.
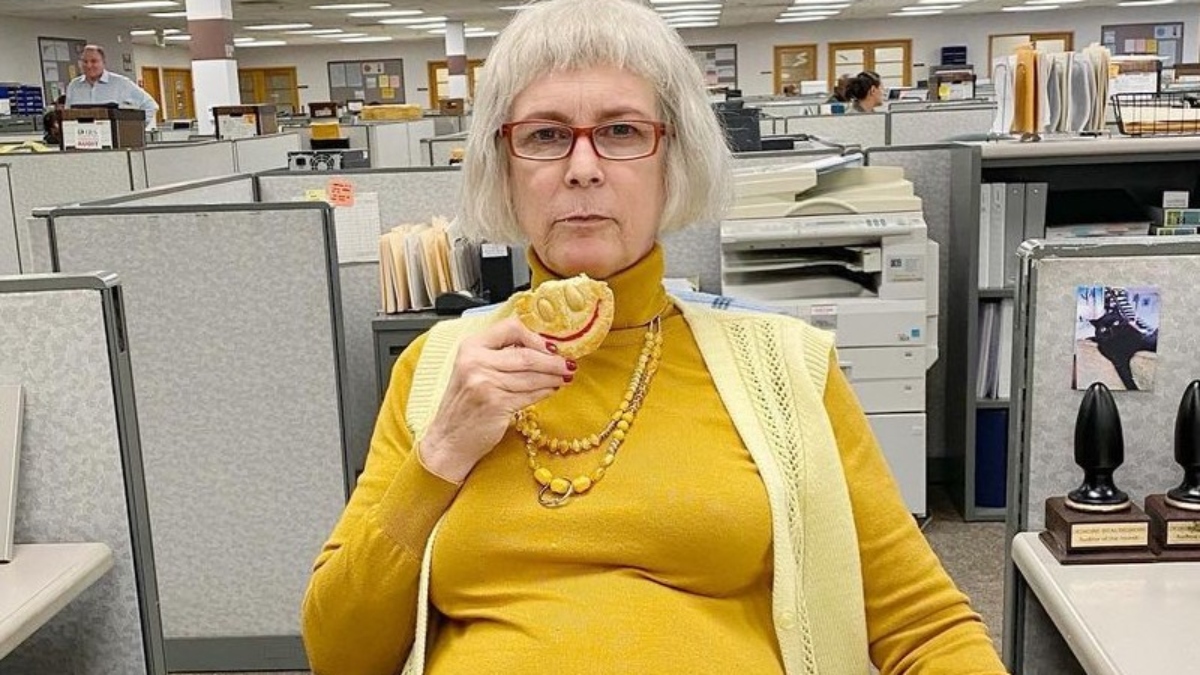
column 1079, row 175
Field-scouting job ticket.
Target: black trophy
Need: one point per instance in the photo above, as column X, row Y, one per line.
column 1096, row 522
column 1099, row 450
column 1175, row 516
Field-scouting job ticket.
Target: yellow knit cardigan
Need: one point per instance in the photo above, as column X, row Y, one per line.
column 770, row 373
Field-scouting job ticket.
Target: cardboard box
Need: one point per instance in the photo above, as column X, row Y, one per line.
column 102, row 128
column 244, row 121
column 326, row 131
column 395, row 111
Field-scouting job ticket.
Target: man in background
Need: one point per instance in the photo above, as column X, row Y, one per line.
column 98, row 86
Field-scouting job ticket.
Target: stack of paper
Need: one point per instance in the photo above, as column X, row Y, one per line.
column 419, row 262
column 1043, row 92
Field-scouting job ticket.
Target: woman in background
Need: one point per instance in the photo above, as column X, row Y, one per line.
column 865, row 92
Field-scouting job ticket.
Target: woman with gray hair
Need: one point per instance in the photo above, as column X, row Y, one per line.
column 749, row 524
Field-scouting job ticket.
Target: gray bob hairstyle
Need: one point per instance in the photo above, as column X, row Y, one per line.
column 559, row 35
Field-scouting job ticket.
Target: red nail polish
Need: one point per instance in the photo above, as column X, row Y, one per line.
column 568, row 377
column 571, row 365
column 553, row 348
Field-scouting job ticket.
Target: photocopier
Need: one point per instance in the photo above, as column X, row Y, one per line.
column 844, row 247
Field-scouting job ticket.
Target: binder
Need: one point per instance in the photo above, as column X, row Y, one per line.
column 1014, row 230
column 985, row 215
column 1035, row 210
column 1004, row 362
column 996, row 235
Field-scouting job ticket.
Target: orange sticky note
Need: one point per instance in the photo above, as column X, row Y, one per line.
column 341, row 192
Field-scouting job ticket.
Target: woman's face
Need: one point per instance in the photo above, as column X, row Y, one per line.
column 584, row 213
column 876, row 95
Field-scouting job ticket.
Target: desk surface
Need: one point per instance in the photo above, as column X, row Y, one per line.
column 1134, row 619
column 41, row 580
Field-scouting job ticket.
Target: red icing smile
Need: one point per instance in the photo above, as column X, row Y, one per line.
column 583, row 331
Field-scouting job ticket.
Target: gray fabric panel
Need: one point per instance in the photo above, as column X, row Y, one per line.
column 236, row 384
column 866, row 130
column 404, row 197
column 263, row 153
column 695, row 251
column 929, row 171
column 934, row 126
column 387, row 145
column 72, row 486
column 170, row 164
column 1147, row 417
column 9, row 261
column 1044, row 651
column 56, row 178
column 33, row 239
column 239, row 191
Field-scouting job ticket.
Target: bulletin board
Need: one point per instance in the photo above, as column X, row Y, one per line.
column 60, row 64
column 1157, row 39
column 373, row 81
column 718, row 63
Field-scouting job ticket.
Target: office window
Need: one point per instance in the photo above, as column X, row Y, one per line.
column 1006, row 44
column 892, row 59
column 794, row 64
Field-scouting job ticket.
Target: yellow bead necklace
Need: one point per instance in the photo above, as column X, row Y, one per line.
column 557, row 490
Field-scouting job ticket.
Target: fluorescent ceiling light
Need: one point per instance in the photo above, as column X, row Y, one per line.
column 263, row 43
column 816, row 8
column 150, row 31
column 490, row 33
column 315, row 31
column 136, row 4
column 355, row 5
column 694, row 14
column 800, row 19
column 681, row 8
column 280, row 26
column 1052, row 2
column 243, row 40
column 800, row 4
column 426, row 26
column 930, row 8
column 694, row 24
column 178, row 38
column 375, row 14
column 657, row 3
column 806, row 13
column 168, row 15
column 924, row 12
column 1029, row 8
column 1145, row 3
column 342, row 35
column 373, row 38
column 412, row 21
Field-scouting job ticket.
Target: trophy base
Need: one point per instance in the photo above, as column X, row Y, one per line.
column 1174, row 532
column 1078, row 537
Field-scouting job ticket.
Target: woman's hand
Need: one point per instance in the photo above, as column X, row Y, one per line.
column 496, row 373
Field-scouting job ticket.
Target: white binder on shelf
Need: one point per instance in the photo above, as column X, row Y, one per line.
column 11, row 410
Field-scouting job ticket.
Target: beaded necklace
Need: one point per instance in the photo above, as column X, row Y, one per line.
column 557, row 490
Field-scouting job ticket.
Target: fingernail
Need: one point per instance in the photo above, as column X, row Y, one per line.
column 571, row 365
column 552, row 348
column 568, row 377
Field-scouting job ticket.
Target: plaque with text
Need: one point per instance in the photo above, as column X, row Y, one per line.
column 11, row 408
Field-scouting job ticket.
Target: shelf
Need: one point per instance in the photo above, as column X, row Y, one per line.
column 997, row 293
column 981, row 403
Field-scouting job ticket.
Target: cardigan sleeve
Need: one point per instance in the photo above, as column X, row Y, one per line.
column 359, row 613
column 918, row 622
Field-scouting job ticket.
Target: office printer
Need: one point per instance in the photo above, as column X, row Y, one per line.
column 845, row 248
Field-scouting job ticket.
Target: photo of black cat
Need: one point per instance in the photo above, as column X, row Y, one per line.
column 1116, row 337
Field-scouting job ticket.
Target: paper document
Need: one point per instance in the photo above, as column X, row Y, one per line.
column 358, row 229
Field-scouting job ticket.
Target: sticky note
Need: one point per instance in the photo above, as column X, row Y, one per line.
column 341, row 192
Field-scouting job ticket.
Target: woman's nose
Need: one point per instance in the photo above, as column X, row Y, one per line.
column 583, row 164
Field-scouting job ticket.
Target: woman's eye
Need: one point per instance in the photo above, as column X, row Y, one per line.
column 547, row 134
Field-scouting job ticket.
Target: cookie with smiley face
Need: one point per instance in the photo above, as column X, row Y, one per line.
column 574, row 314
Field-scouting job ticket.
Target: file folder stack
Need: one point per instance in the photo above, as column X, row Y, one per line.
column 1041, row 92
column 419, row 262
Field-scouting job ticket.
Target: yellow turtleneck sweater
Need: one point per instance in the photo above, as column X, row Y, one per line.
column 665, row 566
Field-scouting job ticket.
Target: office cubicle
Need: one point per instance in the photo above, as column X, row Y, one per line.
column 395, row 145
column 234, row 311
column 936, row 123
column 435, row 151
column 63, row 339
column 866, row 131
column 170, row 163
column 1045, row 405
column 262, row 153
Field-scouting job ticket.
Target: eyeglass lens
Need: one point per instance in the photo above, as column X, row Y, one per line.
column 615, row 140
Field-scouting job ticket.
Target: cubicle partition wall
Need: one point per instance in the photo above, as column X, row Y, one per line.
column 64, row 340
column 234, row 189
column 402, row 196
column 10, row 261
column 234, row 314
column 1045, row 405
column 263, row 153
column 398, row 144
column 939, row 124
column 867, row 131
column 436, row 151
column 168, row 164
column 929, row 168
column 54, row 178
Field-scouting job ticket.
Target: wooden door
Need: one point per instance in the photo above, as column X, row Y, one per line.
column 794, row 64
column 891, row 59
column 177, row 89
column 153, row 86
column 270, row 85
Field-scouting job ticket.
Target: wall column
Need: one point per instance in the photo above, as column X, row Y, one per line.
column 214, row 70
column 456, row 60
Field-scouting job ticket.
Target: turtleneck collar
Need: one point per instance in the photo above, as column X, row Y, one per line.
column 638, row 291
